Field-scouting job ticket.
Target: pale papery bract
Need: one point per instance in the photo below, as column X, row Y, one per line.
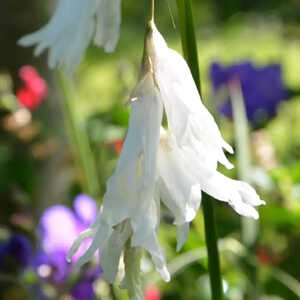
column 72, row 27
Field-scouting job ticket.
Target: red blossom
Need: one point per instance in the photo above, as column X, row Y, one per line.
column 118, row 144
column 152, row 293
column 264, row 257
column 34, row 88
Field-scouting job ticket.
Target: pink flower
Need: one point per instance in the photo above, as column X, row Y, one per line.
column 34, row 88
column 152, row 293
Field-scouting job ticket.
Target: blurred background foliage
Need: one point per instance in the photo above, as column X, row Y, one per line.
column 39, row 168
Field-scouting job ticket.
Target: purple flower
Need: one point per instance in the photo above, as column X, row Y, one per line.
column 59, row 226
column 83, row 290
column 85, row 208
column 262, row 88
column 15, row 253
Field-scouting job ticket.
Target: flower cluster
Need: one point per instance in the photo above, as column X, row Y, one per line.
column 172, row 165
column 262, row 88
column 74, row 24
column 34, row 88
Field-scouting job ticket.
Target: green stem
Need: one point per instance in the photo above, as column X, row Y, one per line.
column 152, row 9
column 189, row 45
column 211, row 238
column 80, row 145
column 133, row 279
column 79, row 140
column 188, row 39
column 250, row 227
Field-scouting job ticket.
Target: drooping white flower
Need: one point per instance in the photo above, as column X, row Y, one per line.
column 130, row 206
column 188, row 118
column 192, row 146
column 72, row 27
column 182, row 177
column 173, row 165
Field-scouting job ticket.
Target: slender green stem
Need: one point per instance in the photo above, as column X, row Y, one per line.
column 80, row 144
column 212, row 248
column 188, row 39
column 152, row 9
column 250, row 227
column 112, row 292
column 78, row 139
column 189, row 45
column 132, row 262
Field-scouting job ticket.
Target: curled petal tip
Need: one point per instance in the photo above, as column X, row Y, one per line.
column 262, row 202
column 165, row 274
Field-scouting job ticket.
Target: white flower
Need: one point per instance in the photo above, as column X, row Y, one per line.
column 130, row 205
column 192, row 147
column 182, row 177
column 188, row 119
column 173, row 165
column 70, row 30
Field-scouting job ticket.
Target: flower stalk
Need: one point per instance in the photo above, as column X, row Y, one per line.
column 250, row 228
column 80, row 145
column 188, row 39
column 133, row 277
column 189, row 45
column 79, row 140
column 152, row 10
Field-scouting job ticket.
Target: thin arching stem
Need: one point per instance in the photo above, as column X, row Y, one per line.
column 189, row 44
column 152, row 9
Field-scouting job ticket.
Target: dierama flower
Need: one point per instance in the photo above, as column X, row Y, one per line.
column 74, row 24
column 173, row 165
column 129, row 207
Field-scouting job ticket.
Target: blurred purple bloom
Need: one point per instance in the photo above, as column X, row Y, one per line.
column 15, row 253
column 59, row 227
column 262, row 88
column 52, row 266
column 85, row 208
column 83, row 290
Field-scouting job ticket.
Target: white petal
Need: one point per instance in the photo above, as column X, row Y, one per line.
column 130, row 190
column 70, row 30
column 182, row 235
column 76, row 244
column 179, row 170
column 101, row 235
column 188, row 119
column 111, row 251
column 135, row 174
column 144, row 224
column 240, row 195
column 108, row 24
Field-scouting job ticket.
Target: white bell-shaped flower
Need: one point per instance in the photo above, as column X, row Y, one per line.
column 131, row 205
column 192, row 147
column 188, row 118
column 173, row 165
column 72, row 27
column 182, row 176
